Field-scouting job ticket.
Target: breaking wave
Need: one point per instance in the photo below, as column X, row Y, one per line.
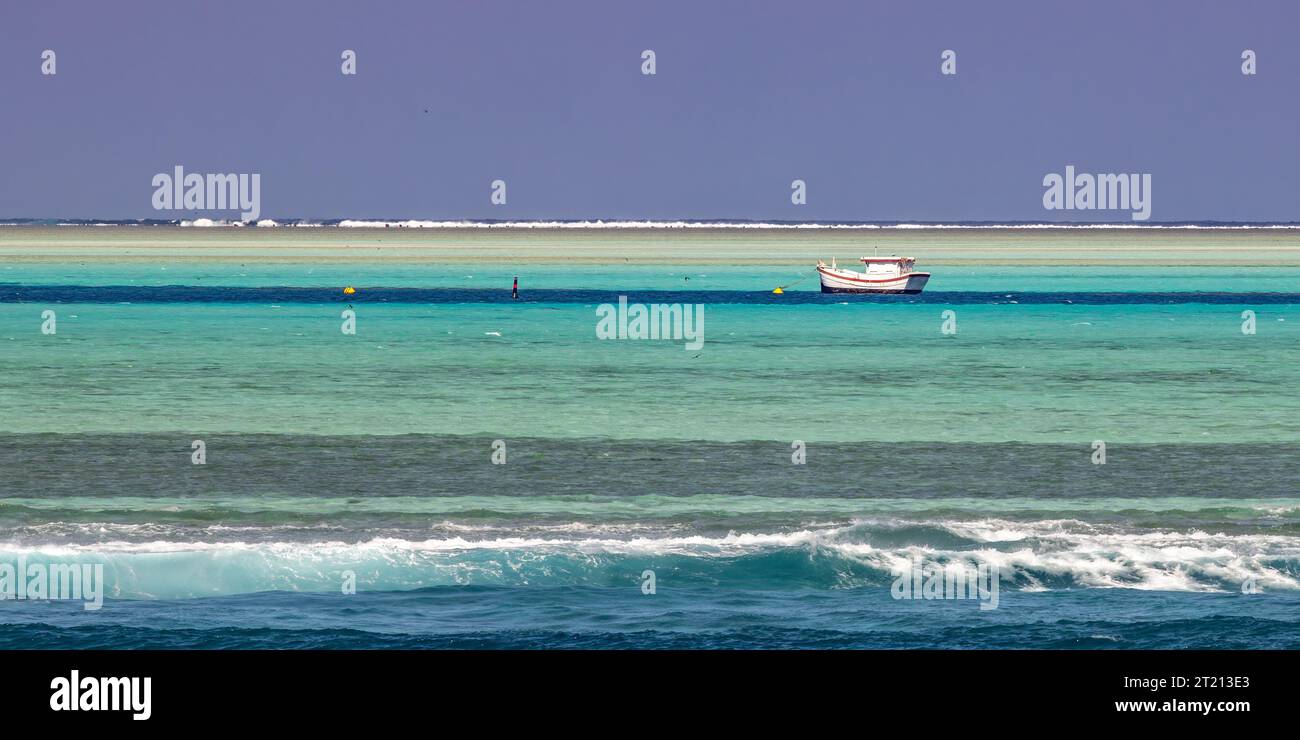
column 1029, row 556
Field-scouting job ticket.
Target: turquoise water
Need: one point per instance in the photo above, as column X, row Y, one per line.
column 650, row 277
column 841, row 372
column 371, row 453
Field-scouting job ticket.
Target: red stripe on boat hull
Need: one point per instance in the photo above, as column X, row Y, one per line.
column 869, row 291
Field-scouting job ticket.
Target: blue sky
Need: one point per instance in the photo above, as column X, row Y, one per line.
column 748, row 96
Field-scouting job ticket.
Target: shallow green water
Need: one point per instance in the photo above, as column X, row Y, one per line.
column 1044, row 373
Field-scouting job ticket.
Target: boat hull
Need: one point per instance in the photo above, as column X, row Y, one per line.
column 908, row 284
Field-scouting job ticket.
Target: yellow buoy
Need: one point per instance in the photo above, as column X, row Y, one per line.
column 349, row 290
column 778, row 290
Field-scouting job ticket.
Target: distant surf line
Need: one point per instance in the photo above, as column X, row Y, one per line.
column 654, row 224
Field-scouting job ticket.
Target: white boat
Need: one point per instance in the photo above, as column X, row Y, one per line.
column 882, row 275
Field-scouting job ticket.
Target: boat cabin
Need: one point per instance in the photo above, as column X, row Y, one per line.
column 888, row 265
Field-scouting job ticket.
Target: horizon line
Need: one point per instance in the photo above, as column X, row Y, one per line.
column 680, row 223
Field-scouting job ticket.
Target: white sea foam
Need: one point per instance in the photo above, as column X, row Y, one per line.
column 1032, row 556
column 360, row 223
column 599, row 224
